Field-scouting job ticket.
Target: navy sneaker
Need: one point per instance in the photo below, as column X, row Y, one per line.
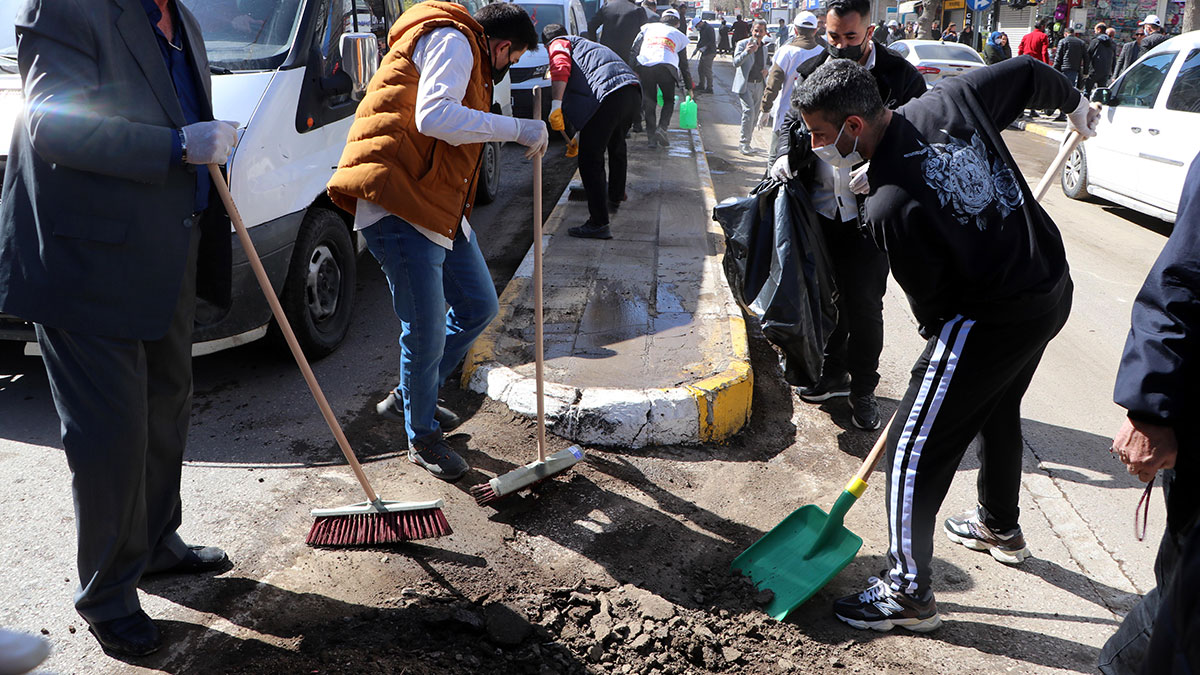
column 590, row 230
column 391, row 408
column 826, row 388
column 864, row 412
column 438, row 458
column 882, row 608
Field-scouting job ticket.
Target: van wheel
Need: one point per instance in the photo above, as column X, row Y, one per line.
column 318, row 296
column 488, row 187
column 1074, row 175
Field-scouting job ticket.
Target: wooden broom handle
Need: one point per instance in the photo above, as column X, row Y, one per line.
column 1072, row 141
column 876, row 453
column 281, row 319
column 537, row 288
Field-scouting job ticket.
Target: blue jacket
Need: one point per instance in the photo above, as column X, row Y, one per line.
column 596, row 72
column 1157, row 381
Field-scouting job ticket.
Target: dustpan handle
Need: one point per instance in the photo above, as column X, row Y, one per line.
column 286, row 328
column 859, row 482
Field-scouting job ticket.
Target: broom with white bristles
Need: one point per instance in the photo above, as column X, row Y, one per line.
column 374, row 521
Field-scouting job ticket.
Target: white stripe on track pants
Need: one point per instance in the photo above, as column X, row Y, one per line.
column 968, row 382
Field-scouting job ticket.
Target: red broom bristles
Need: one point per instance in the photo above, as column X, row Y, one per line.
column 365, row 529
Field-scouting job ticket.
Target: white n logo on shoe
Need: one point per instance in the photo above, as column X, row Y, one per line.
column 889, row 607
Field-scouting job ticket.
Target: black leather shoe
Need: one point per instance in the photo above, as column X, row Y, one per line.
column 133, row 635
column 200, row 559
column 392, row 408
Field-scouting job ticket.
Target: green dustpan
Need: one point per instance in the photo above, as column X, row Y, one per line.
column 801, row 554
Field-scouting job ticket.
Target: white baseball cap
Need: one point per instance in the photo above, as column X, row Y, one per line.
column 893, row 23
column 670, row 13
column 805, row 20
column 696, row 21
column 1151, row 19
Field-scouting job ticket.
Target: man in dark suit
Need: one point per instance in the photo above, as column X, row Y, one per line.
column 109, row 230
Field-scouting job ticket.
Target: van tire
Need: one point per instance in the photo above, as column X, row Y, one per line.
column 1074, row 178
column 318, row 295
column 488, row 187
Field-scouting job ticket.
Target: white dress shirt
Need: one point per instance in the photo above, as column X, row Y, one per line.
column 443, row 59
column 831, row 195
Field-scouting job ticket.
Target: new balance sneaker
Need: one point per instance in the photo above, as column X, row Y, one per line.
column 826, row 388
column 436, row 457
column 968, row 529
column 881, row 608
column 864, row 412
column 392, row 408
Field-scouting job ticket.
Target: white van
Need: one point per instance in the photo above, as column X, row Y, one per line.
column 278, row 68
column 530, row 72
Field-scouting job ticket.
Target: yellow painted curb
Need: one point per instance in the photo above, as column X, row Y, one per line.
column 483, row 350
column 1048, row 132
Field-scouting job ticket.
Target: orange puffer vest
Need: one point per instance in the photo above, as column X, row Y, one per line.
column 425, row 181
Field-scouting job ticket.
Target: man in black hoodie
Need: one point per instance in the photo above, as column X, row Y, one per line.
column 622, row 21
column 986, row 276
column 852, row 352
column 1101, row 57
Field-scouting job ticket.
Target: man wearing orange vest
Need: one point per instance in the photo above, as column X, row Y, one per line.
column 408, row 175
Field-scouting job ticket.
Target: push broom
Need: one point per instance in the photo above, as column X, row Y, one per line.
column 374, row 521
column 544, row 467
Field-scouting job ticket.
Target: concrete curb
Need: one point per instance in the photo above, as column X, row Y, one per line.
column 710, row 409
column 1040, row 129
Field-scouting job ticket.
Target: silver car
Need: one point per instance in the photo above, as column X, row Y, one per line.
column 936, row 60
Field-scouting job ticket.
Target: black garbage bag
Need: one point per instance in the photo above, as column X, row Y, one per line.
column 779, row 268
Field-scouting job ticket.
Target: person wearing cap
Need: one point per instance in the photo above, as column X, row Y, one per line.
column 895, row 32
column 598, row 92
column 1155, row 36
column 706, row 48
column 1130, row 51
column 662, row 59
column 782, row 76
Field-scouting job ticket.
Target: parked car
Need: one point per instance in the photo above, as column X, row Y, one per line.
column 289, row 84
column 1147, row 136
column 937, row 60
column 532, row 70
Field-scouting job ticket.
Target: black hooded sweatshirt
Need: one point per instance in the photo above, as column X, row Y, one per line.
column 1102, row 56
column 950, row 208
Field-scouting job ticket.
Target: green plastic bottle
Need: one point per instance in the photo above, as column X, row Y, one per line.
column 660, row 100
column 689, row 114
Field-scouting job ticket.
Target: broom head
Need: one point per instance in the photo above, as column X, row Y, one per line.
column 521, row 478
column 378, row 522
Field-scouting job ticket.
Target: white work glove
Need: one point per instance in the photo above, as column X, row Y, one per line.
column 210, row 142
column 858, row 180
column 533, row 135
column 781, row 170
column 765, row 120
column 1085, row 118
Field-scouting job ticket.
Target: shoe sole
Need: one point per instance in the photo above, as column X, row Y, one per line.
column 915, row 625
column 1006, row 557
column 808, row 398
column 864, row 427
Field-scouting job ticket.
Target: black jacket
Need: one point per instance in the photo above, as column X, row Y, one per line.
column 993, row 54
column 949, row 206
column 898, row 81
column 1151, row 41
column 1071, row 54
column 1102, row 57
column 621, row 20
column 706, row 43
column 1129, row 53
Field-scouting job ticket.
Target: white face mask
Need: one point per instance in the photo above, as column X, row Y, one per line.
column 831, row 156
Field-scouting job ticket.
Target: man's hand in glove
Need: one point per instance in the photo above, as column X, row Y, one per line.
column 534, row 136
column 556, row 116
column 1085, row 118
column 858, row 180
column 781, row 170
column 210, row 142
column 764, row 120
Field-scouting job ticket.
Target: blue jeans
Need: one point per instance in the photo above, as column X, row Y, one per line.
column 424, row 278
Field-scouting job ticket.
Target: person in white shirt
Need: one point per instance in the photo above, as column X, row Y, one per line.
column 408, row 174
column 782, row 77
column 662, row 59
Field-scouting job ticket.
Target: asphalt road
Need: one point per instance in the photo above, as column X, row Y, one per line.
column 259, row 458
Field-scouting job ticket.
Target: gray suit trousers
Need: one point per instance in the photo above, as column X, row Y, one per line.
column 124, row 407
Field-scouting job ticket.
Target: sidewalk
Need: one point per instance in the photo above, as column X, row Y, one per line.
column 644, row 343
column 1042, row 126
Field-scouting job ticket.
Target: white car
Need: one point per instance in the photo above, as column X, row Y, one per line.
column 936, row 60
column 533, row 69
column 1148, row 133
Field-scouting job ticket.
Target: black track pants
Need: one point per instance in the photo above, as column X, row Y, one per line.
column 968, row 382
